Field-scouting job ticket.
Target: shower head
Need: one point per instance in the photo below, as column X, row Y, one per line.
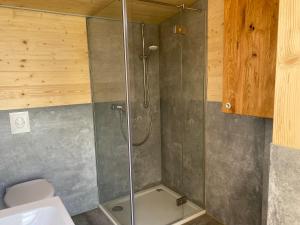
column 153, row 48
column 146, row 55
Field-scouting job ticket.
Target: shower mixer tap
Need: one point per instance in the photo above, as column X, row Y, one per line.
column 118, row 107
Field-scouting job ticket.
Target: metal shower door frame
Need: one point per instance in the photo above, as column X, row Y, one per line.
column 128, row 96
column 128, row 109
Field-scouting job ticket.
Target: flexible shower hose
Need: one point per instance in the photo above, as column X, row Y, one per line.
column 147, row 104
column 148, row 132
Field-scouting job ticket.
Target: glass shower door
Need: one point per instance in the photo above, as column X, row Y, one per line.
column 106, row 49
column 155, row 202
column 193, row 106
column 167, row 77
column 182, row 83
column 166, row 68
column 172, row 114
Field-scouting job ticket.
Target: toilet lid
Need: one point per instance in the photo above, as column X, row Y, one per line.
column 30, row 191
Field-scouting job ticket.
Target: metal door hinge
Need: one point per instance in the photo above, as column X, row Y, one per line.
column 181, row 201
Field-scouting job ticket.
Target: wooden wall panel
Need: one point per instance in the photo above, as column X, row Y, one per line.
column 287, row 91
column 83, row 7
column 250, row 56
column 215, row 50
column 43, row 60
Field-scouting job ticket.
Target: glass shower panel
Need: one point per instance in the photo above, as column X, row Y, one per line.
column 106, row 51
column 171, row 100
column 193, row 102
column 167, row 75
column 155, row 203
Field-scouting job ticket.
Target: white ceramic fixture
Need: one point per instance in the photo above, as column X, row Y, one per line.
column 49, row 211
column 154, row 206
column 27, row 192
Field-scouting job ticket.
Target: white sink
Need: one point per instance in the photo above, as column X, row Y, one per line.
column 45, row 212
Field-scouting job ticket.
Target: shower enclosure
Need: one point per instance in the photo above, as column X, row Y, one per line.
column 147, row 64
column 149, row 113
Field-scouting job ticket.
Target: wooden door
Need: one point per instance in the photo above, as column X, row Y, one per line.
column 250, row 37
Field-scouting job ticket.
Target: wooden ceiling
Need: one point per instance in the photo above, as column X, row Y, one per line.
column 138, row 10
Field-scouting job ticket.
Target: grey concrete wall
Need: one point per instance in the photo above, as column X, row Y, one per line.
column 59, row 148
column 182, row 104
column 234, row 166
column 284, row 186
column 111, row 146
column 268, row 142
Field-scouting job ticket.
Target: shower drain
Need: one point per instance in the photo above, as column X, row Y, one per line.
column 117, row 208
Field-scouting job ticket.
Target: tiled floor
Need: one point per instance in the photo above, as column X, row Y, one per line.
column 97, row 217
column 204, row 220
column 94, row 217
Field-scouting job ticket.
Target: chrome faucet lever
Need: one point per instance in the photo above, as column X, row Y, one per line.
column 120, row 107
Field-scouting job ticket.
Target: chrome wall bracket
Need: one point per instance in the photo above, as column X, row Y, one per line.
column 181, row 201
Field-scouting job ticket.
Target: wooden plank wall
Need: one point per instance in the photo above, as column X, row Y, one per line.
column 250, row 56
column 82, row 7
column 215, row 50
column 287, row 90
column 43, row 60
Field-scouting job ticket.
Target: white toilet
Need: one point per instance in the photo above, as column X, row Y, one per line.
column 27, row 192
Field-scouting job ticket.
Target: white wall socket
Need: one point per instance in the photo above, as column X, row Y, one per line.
column 19, row 122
